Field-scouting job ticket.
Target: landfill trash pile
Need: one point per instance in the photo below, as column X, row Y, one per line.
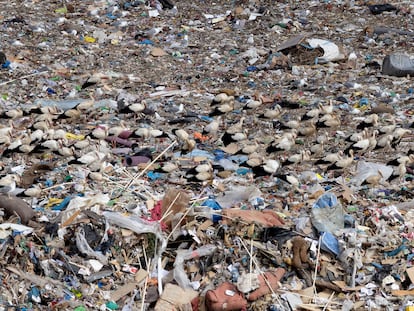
column 228, row 155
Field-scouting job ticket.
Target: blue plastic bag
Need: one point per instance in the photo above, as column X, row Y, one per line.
column 327, row 214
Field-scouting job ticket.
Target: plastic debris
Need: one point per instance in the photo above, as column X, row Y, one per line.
column 227, row 155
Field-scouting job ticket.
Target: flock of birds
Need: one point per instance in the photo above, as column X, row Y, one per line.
column 275, row 138
column 322, row 138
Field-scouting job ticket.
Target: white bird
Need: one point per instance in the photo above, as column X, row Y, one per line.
column 91, row 157
column 87, row 104
column 357, row 136
column 222, row 109
column 291, row 124
column 374, row 179
column 283, row 144
column 237, row 127
column 155, row 133
column 72, row 114
column 7, row 130
column 97, row 176
column 330, row 158
column 37, row 135
column 82, row 144
column 399, row 133
column 253, row 104
column 388, row 129
column 181, row 134
column 317, row 149
column 384, row 141
column 8, row 183
column 303, row 156
column 189, row 145
column 250, row 148
column 311, row 114
column 138, row 107
column 221, row 97
column 212, row 127
column 56, row 134
column 343, row 162
column 33, row 191
column 13, row 113
column 326, row 109
column 5, row 139
column 369, row 121
column 142, row 132
column 100, row 132
column 169, row 167
column 329, row 120
column 51, row 144
column 66, row 151
column 201, row 172
column 272, row 113
column 43, row 125
column 307, row 130
column 116, row 130
column 373, row 140
column 365, row 144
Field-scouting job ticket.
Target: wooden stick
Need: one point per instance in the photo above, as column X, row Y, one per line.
column 59, row 185
column 24, row 77
column 329, row 301
column 144, row 292
column 168, row 212
column 182, row 218
column 71, row 219
column 261, row 272
column 251, row 263
column 316, row 266
column 179, row 222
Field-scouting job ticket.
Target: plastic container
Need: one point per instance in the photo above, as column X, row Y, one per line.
column 398, row 65
column 135, row 160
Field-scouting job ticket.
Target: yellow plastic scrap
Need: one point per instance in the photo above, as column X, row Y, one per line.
column 89, row 39
column 362, row 108
column 53, row 202
column 74, row 136
column 319, row 176
column 62, row 10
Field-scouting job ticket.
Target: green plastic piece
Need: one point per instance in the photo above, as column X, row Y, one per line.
column 112, row 305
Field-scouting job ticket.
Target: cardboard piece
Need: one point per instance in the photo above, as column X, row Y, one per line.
column 174, row 298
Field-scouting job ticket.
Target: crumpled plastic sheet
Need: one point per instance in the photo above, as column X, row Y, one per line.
column 367, row 169
column 138, row 225
column 179, row 274
column 327, row 213
column 84, row 247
